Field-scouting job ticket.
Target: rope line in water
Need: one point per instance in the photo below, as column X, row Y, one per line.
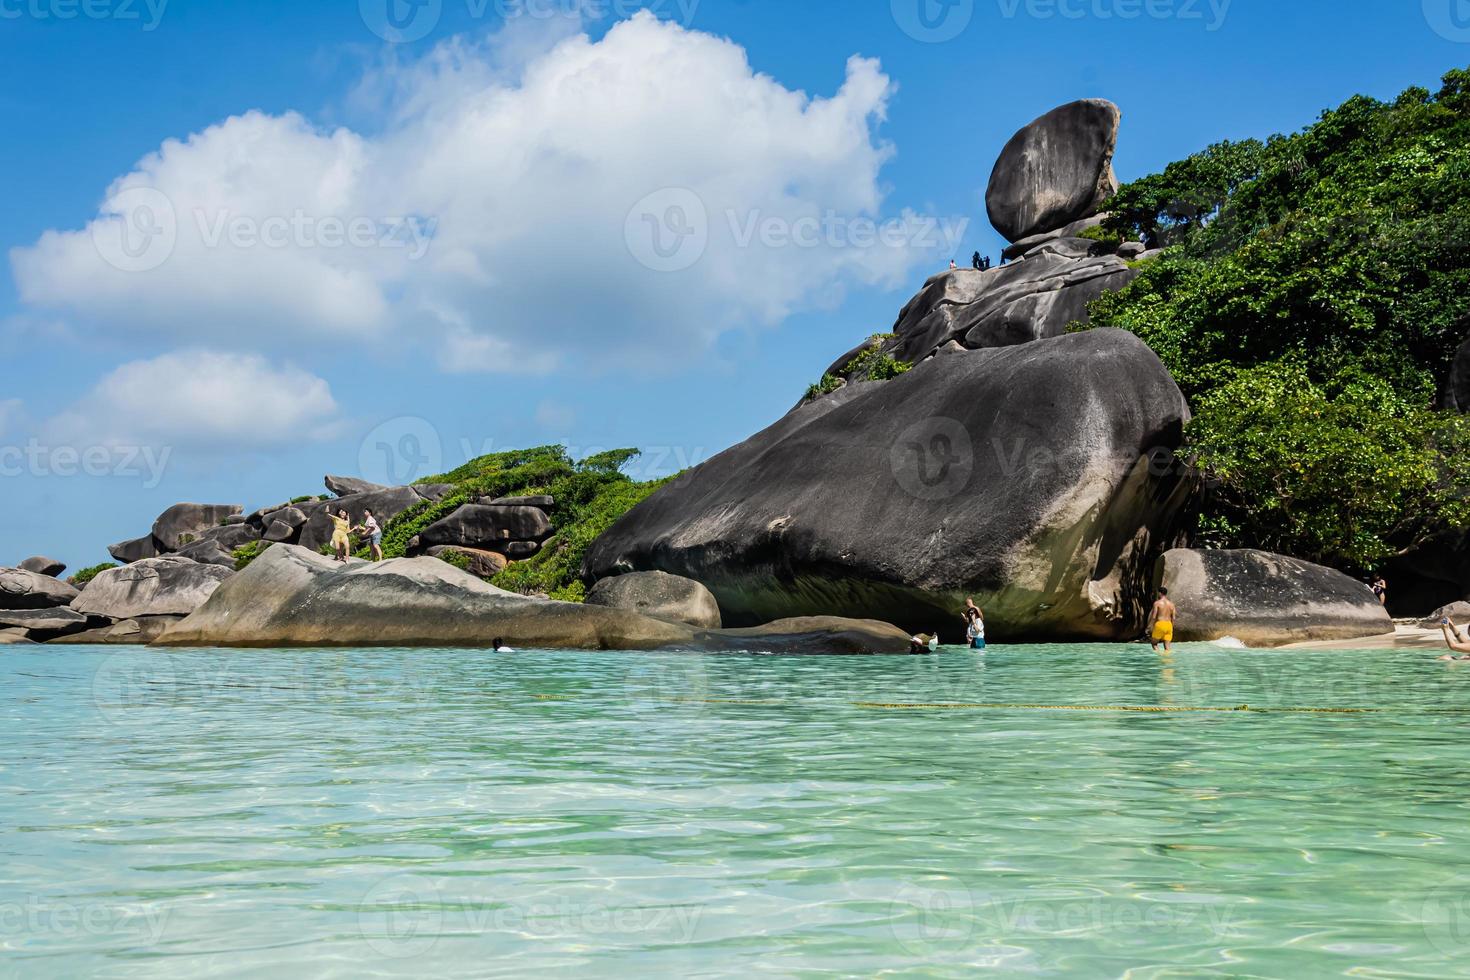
column 1122, row 708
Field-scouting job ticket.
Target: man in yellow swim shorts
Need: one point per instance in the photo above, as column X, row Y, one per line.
column 1161, row 622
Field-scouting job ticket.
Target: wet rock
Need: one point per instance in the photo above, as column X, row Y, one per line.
column 1267, row 600
column 660, row 595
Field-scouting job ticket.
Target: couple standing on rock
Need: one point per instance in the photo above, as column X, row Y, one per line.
column 342, row 528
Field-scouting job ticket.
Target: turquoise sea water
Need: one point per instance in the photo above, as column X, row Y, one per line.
column 419, row 813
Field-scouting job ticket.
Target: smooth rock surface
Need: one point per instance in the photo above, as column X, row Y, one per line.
column 1266, row 600
column 208, row 552
column 58, row 618
column 42, row 565
column 660, row 595
column 168, row 586
column 293, row 597
column 1036, row 478
column 21, row 589
column 1056, row 170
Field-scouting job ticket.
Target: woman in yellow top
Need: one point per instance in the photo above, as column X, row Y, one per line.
column 340, row 527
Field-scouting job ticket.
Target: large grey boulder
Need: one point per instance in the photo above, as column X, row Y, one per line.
column 292, row 597
column 485, row 526
column 385, row 505
column 1056, row 170
column 42, row 565
column 167, row 586
column 1267, row 600
column 346, row 486
column 21, row 589
column 135, row 550
column 182, row 524
column 660, row 595
column 1037, row 478
column 231, row 536
column 1032, row 242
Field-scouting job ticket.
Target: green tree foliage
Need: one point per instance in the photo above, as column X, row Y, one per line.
column 1345, row 473
column 1314, row 292
column 88, row 574
column 590, row 496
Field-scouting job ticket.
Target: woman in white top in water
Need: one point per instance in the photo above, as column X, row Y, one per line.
column 974, row 625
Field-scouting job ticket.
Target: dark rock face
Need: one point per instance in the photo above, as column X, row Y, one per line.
column 1267, row 600
column 484, row 526
column 660, row 595
column 182, row 524
column 168, row 586
column 1036, row 478
column 134, row 550
column 21, row 589
column 42, row 565
column 1056, row 170
column 293, row 597
column 346, row 486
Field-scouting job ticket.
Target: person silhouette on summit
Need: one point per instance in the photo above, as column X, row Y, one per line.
column 979, row 265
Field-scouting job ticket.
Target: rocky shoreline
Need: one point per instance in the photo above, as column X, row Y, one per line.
column 988, row 446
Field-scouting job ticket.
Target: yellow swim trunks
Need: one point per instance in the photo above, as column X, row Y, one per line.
column 1163, row 632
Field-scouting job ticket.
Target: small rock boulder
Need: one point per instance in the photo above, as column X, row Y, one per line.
column 182, row 524
column 208, row 552
column 56, row 620
column 1057, row 170
column 484, row 564
column 42, row 565
column 168, row 586
column 135, row 550
column 347, row 486
column 1459, row 612
column 661, row 596
column 544, row 502
column 231, row 536
column 483, row 526
column 1267, row 600
column 21, row 589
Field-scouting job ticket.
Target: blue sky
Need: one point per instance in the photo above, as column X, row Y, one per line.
column 497, row 297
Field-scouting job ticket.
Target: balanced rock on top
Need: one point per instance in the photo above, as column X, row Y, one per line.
column 1055, row 171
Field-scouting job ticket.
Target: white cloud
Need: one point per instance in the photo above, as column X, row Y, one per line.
column 200, row 399
column 517, row 163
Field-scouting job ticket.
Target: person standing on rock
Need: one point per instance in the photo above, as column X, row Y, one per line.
column 952, row 265
column 1161, row 622
column 1380, row 589
column 979, row 265
column 374, row 531
column 341, row 527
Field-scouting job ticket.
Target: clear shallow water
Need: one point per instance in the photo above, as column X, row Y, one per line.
column 414, row 813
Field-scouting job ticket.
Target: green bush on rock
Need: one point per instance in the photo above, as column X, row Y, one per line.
column 88, row 574
column 247, row 553
column 590, row 496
